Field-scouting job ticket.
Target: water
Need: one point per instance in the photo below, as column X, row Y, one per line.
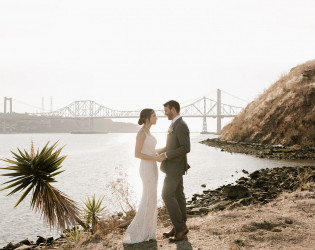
column 90, row 165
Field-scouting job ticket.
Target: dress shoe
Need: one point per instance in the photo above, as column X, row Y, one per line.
column 179, row 236
column 170, row 233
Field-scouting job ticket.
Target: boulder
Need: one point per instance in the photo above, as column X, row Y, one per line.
column 255, row 174
column 236, row 192
column 40, row 240
column 9, row 246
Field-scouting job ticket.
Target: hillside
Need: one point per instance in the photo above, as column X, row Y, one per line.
column 283, row 114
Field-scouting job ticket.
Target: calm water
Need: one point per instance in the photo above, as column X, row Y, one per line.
column 90, row 165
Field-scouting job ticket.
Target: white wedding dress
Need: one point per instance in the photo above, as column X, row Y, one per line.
column 143, row 226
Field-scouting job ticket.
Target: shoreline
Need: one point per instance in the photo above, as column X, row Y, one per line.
column 258, row 189
column 281, row 152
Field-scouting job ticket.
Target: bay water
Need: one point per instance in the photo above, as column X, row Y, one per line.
column 95, row 160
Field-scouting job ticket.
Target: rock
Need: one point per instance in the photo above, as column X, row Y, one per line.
column 260, row 182
column 203, row 185
column 9, row 246
column 40, row 240
column 24, row 247
column 244, row 171
column 18, row 245
column 26, row 242
column 255, row 174
column 288, row 221
column 273, row 190
column 243, row 179
column 236, row 192
column 191, row 206
column 220, row 205
column 195, row 210
column 120, row 214
column 259, row 188
column 50, row 240
column 246, row 201
column 241, row 182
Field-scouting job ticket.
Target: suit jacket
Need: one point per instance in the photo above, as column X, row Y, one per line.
column 177, row 147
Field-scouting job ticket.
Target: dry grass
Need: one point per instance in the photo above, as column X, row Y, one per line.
column 283, row 114
column 286, row 223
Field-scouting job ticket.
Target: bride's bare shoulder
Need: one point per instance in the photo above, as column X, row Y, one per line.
column 141, row 134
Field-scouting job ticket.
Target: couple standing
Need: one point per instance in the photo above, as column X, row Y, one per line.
column 174, row 164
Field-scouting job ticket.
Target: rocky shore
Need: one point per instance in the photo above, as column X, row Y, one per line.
column 40, row 243
column 260, row 187
column 294, row 152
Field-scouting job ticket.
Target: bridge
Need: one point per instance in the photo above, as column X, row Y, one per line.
column 203, row 107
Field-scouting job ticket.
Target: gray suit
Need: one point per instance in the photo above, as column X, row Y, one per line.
column 175, row 166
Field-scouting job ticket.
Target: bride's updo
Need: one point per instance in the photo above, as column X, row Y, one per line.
column 144, row 115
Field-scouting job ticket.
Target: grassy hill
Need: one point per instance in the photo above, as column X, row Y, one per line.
column 283, row 114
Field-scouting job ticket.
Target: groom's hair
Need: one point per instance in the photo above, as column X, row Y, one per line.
column 172, row 104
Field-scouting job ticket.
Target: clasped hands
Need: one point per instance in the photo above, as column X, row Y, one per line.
column 160, row 157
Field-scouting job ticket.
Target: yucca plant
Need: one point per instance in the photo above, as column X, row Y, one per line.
column 92, row 211
column 34, row 172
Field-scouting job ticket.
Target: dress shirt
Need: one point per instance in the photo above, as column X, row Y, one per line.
column 173, row 121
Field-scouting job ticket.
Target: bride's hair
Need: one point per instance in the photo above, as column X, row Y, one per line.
column 144, row 115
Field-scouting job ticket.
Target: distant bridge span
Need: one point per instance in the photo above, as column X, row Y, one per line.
column 204, row 108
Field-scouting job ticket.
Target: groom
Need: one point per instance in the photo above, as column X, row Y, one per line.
column 174, row 165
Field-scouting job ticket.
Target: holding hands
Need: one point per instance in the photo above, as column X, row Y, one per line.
column 160, row 157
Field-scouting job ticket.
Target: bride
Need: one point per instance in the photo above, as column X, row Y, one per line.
column 143, row 226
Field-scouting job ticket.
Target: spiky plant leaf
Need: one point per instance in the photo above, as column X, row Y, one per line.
column 93, row 210
column 34, row 172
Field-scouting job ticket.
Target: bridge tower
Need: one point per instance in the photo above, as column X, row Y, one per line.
column 5, row 105
column 204, row 126
column 5, row 113
column 219, row 117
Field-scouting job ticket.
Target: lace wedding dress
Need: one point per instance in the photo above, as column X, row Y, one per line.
column 143, row 226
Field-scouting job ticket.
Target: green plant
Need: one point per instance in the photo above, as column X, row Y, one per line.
column 75, row 234
column 93, row 211
column 34, row 172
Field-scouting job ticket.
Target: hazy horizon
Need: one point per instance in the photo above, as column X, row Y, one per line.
column 128, row 55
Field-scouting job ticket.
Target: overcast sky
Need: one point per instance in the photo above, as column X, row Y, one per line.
column 129, row 54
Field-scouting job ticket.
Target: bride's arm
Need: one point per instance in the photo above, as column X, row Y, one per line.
column 139, row 144
column 160, row 150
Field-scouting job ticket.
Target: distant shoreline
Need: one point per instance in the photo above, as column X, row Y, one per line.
column 281, row 152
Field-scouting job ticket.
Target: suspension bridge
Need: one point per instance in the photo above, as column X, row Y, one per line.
column 202, row 108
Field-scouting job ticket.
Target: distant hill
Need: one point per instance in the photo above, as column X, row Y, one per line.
column 283, row 114
column 24, row 123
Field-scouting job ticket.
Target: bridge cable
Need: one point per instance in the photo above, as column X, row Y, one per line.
column 235, row 96
column 30, row 105
column 193, row 99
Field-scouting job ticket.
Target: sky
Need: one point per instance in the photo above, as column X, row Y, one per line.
column 129, row 55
